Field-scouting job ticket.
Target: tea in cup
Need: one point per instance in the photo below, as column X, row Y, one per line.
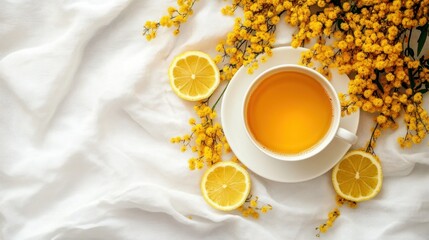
column 292, row 112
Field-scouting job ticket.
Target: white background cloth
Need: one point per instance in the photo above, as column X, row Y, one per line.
column 86, row 114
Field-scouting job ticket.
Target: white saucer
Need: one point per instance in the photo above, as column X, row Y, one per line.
column 256, row 160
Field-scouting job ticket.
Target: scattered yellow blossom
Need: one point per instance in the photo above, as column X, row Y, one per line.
column 334, row 214
column 251, row 207
column 175, row 17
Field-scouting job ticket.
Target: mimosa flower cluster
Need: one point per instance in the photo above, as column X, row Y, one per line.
column 252, row 35
column 371, row 42
column 207, row 139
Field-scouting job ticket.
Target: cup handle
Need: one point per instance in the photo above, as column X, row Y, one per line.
column 346, row 136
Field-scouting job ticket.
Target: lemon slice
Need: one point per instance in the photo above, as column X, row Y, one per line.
column 225, row 186
column 358, row 176
column 193, row 75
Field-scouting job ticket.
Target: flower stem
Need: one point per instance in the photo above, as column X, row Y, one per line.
column 223, row 91
column 370, row 148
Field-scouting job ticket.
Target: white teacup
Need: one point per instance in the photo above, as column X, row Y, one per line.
column 260, row 90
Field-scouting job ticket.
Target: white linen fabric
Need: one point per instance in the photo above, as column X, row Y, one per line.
column 86, row 115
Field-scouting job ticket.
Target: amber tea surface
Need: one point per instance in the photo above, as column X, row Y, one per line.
column 288, row 112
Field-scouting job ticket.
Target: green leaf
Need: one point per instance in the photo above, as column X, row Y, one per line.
column 423, row 91
column 339, row 21
column 422, row 38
